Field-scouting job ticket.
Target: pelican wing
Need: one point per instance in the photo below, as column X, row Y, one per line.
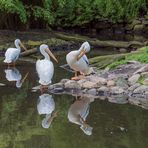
column 85, row 59
column 11, row 55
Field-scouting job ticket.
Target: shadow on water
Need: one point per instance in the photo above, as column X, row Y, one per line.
column 27, row 121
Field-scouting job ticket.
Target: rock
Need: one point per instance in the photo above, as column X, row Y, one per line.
column 142, row 102
column 136, row 22
column 145, row 82
column 133, row 87
column 133, row 79
column 110, row 83
column 36, row 87
column 50, row 87
column 138, row 28
column 133, row 62
column 34, row 90
column 64, row 80
column 80, row 82
column 119, row 74
column 119, row 99
column 89, row 84
column 121, row 82
column 58, row 85
column 123, row 50
column 145, row 22
column 72, row 85
column 92, row 91
column 103, row 90
column 97, row 79
column 144, row 74
column 1, row 84
column 141, row 89
column 142, row 69
column 116, row 90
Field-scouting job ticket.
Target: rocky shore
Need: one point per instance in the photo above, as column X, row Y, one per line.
column 126, row 83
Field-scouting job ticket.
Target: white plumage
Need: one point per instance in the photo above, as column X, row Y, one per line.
column 45, row 70
column 12, row 54
column 46, row 104
column 79, row 64
column 45, row 67
column 14, row 75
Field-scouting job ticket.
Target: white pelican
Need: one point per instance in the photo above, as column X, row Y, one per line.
column 78, row 113
column 13, row 74
column 78, row 61
column 12, row 54
column 46, row 105
column 45, row 67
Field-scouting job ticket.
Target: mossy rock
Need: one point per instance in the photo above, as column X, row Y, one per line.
column 138, row 28
column 50, row 42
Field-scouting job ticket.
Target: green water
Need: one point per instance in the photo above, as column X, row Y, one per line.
column 114, row 125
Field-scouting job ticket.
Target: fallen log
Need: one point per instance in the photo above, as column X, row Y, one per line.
column 96, row 42
column 29, row 52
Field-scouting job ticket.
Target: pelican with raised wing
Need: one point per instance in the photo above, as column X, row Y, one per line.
column 45, row 67
column 78, row 61
column 12, row 54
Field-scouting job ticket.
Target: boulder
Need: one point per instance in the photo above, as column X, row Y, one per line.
column 138, row 28
column 121, row 82
column 92, row 91
column 1, row 84
column 145, row 82
column 89, row 84
column 110, row 83
column 142, row 102
column 144, row 74
column 141, row 89
column 119, row 99
column 133, row 79
column 97, row 79
column 72, row 85
column 116, row 90
column 64, row 80
column 103, row 91
column 133, row 87
column 142, row 69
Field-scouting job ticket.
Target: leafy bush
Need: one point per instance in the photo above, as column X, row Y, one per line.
column 72, row 12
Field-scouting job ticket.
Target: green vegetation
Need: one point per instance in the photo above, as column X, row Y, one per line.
column 141, row 56
column 39, row 14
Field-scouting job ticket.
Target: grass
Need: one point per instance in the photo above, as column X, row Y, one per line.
column 141, row 56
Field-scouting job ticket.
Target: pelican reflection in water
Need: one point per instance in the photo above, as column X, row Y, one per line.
column 78, row 113
column 46, row 105
column 13, row 74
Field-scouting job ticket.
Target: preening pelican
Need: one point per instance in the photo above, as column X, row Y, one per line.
column 78, row 61
column 13, row 74
column 12, row 54
column 46, row 105
column 78, row 113
column 45, row 67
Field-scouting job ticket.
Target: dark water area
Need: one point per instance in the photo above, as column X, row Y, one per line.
column 24, row 114
column 21, row 126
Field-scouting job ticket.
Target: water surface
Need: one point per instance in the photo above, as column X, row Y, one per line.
column 114, row 125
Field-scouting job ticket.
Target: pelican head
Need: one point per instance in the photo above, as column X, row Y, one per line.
column 18, row 44
column 45, row 51
column 85, row 47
